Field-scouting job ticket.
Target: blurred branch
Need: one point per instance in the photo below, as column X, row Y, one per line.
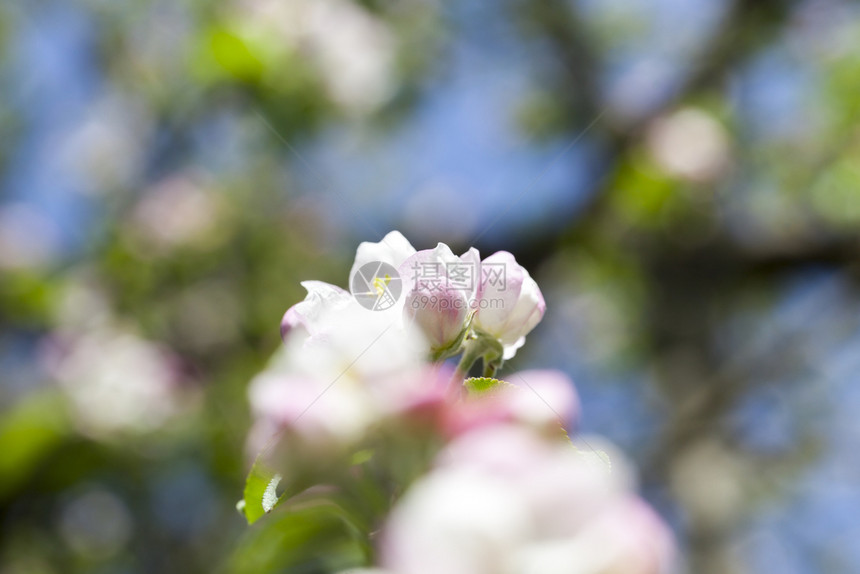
column 568, row 37
column 748, row 25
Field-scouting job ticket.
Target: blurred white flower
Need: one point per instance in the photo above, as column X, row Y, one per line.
column 83, row 304
column 178, row 210
column 710, row 481
column 353, row 50
column 349, row 368
column 690, row 144
column 503, row 499
column 105, row 149
column 116, row 382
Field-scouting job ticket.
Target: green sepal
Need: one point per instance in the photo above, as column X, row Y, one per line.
column 454, row 347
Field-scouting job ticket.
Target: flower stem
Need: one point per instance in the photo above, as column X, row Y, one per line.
column 472, row 352
column 489, row 369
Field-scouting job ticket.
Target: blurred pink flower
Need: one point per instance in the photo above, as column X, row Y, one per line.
column 343, row 368
column 504, row 499
column 180, row 210
column 544, row 400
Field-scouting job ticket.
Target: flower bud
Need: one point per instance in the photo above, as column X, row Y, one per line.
column 510, row 303
column 438, row 295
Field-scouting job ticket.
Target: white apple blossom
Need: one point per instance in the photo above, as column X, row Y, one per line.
column 394, row 249
column 325, row 300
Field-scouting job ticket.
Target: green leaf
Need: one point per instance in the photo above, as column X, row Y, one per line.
column 260, row 495
column 483, row 386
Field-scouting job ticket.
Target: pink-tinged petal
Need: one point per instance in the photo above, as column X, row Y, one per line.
column 440, row 316
column 644, row 543
column 549, row 397
column 501, row 283
column 623, row 536
column 526, row 313
column 425, row 384
column 502, row 448
column 339, row 414
column 320, row 298
column 464, row 417
column 504, row 498
column 539, row 400
column 454, row 521
column 431, row 300
column 471, row 260
column 510, row 304
column 417, row 266
column 291, row 319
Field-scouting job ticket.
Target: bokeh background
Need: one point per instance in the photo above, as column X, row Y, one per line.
column 681, row 176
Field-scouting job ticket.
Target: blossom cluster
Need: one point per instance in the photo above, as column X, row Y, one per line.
column 481, row 472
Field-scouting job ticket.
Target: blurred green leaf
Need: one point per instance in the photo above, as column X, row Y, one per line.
column 29, row 432
column 313, row 537
column 234, row 55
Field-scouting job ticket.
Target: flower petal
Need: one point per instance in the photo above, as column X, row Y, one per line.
column 394, row 249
